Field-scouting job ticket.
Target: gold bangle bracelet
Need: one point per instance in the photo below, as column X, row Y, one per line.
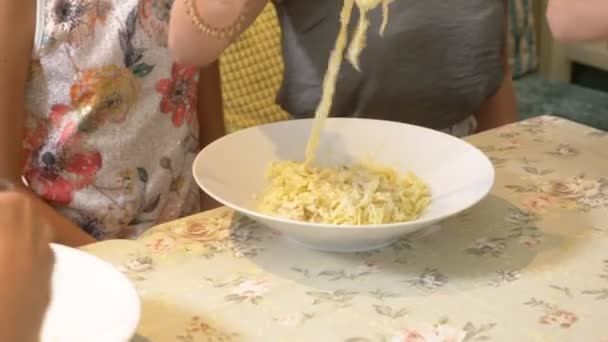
column 205, row 28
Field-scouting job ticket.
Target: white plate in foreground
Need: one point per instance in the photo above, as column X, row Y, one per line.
column 90, row 301
column 232, row 170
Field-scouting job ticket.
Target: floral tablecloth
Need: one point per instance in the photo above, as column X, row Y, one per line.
column 530, row 263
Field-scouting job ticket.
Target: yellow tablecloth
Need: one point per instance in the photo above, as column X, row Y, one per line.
column 530, row 263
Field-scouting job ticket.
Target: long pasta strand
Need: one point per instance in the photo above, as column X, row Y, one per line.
column 359, row 40
column 335, row 62
column 385, row 13
column 329, row 82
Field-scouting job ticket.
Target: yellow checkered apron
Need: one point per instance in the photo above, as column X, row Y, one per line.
column 252, row 70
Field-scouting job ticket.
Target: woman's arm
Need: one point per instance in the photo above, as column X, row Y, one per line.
column 572, row 20
column 189, row 45
column 210, row 115
column 27, row 260
column 16, row 41
column 500, row 109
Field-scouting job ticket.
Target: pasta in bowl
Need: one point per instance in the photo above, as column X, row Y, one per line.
column 235, row 171
column 322, row 192
column 359, row 194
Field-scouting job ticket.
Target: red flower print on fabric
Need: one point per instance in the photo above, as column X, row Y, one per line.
column 58, row 162
column 179, row 94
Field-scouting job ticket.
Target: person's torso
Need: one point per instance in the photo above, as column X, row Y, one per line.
column 436, row 64
column 111, row 125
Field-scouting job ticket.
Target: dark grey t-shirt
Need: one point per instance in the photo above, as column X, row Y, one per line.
column 436, row 64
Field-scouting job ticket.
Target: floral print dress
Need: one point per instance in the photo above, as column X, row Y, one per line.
column 111, row 128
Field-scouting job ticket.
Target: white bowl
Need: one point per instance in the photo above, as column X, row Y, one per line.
column 90, row 301
column 233, row 170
